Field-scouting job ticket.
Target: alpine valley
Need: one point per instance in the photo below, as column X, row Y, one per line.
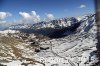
column 69, row 41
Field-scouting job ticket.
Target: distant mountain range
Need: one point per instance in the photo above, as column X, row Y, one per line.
column 64, row 26
column 63, row 22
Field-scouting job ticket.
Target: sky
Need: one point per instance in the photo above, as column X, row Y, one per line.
column 39, row 10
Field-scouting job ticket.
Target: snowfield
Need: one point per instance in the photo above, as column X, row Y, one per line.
column 62, row 53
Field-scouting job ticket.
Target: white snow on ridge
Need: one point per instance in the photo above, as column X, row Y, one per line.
column 8, row 31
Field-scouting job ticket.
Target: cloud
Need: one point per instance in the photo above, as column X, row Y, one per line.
column 49, row 17
column 25, row 15
column 3, row 15
column 35, row 16
column 82, row 6
column 30, row 17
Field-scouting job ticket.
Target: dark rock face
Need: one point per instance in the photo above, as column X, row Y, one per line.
column 42, row 48
column 37, row 50
column 65, row 31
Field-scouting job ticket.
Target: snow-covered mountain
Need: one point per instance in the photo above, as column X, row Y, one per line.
column 87, row 23
column 63, row 22
column 74, row 45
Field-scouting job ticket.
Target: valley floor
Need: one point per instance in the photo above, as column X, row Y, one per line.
column 73, row 50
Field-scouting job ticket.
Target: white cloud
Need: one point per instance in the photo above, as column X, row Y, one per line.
column 25, row 15
column 50, row 17
column 35, row 16
column 34, row 13
column 3, row 15
column 30, row 17
column 82, row 6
